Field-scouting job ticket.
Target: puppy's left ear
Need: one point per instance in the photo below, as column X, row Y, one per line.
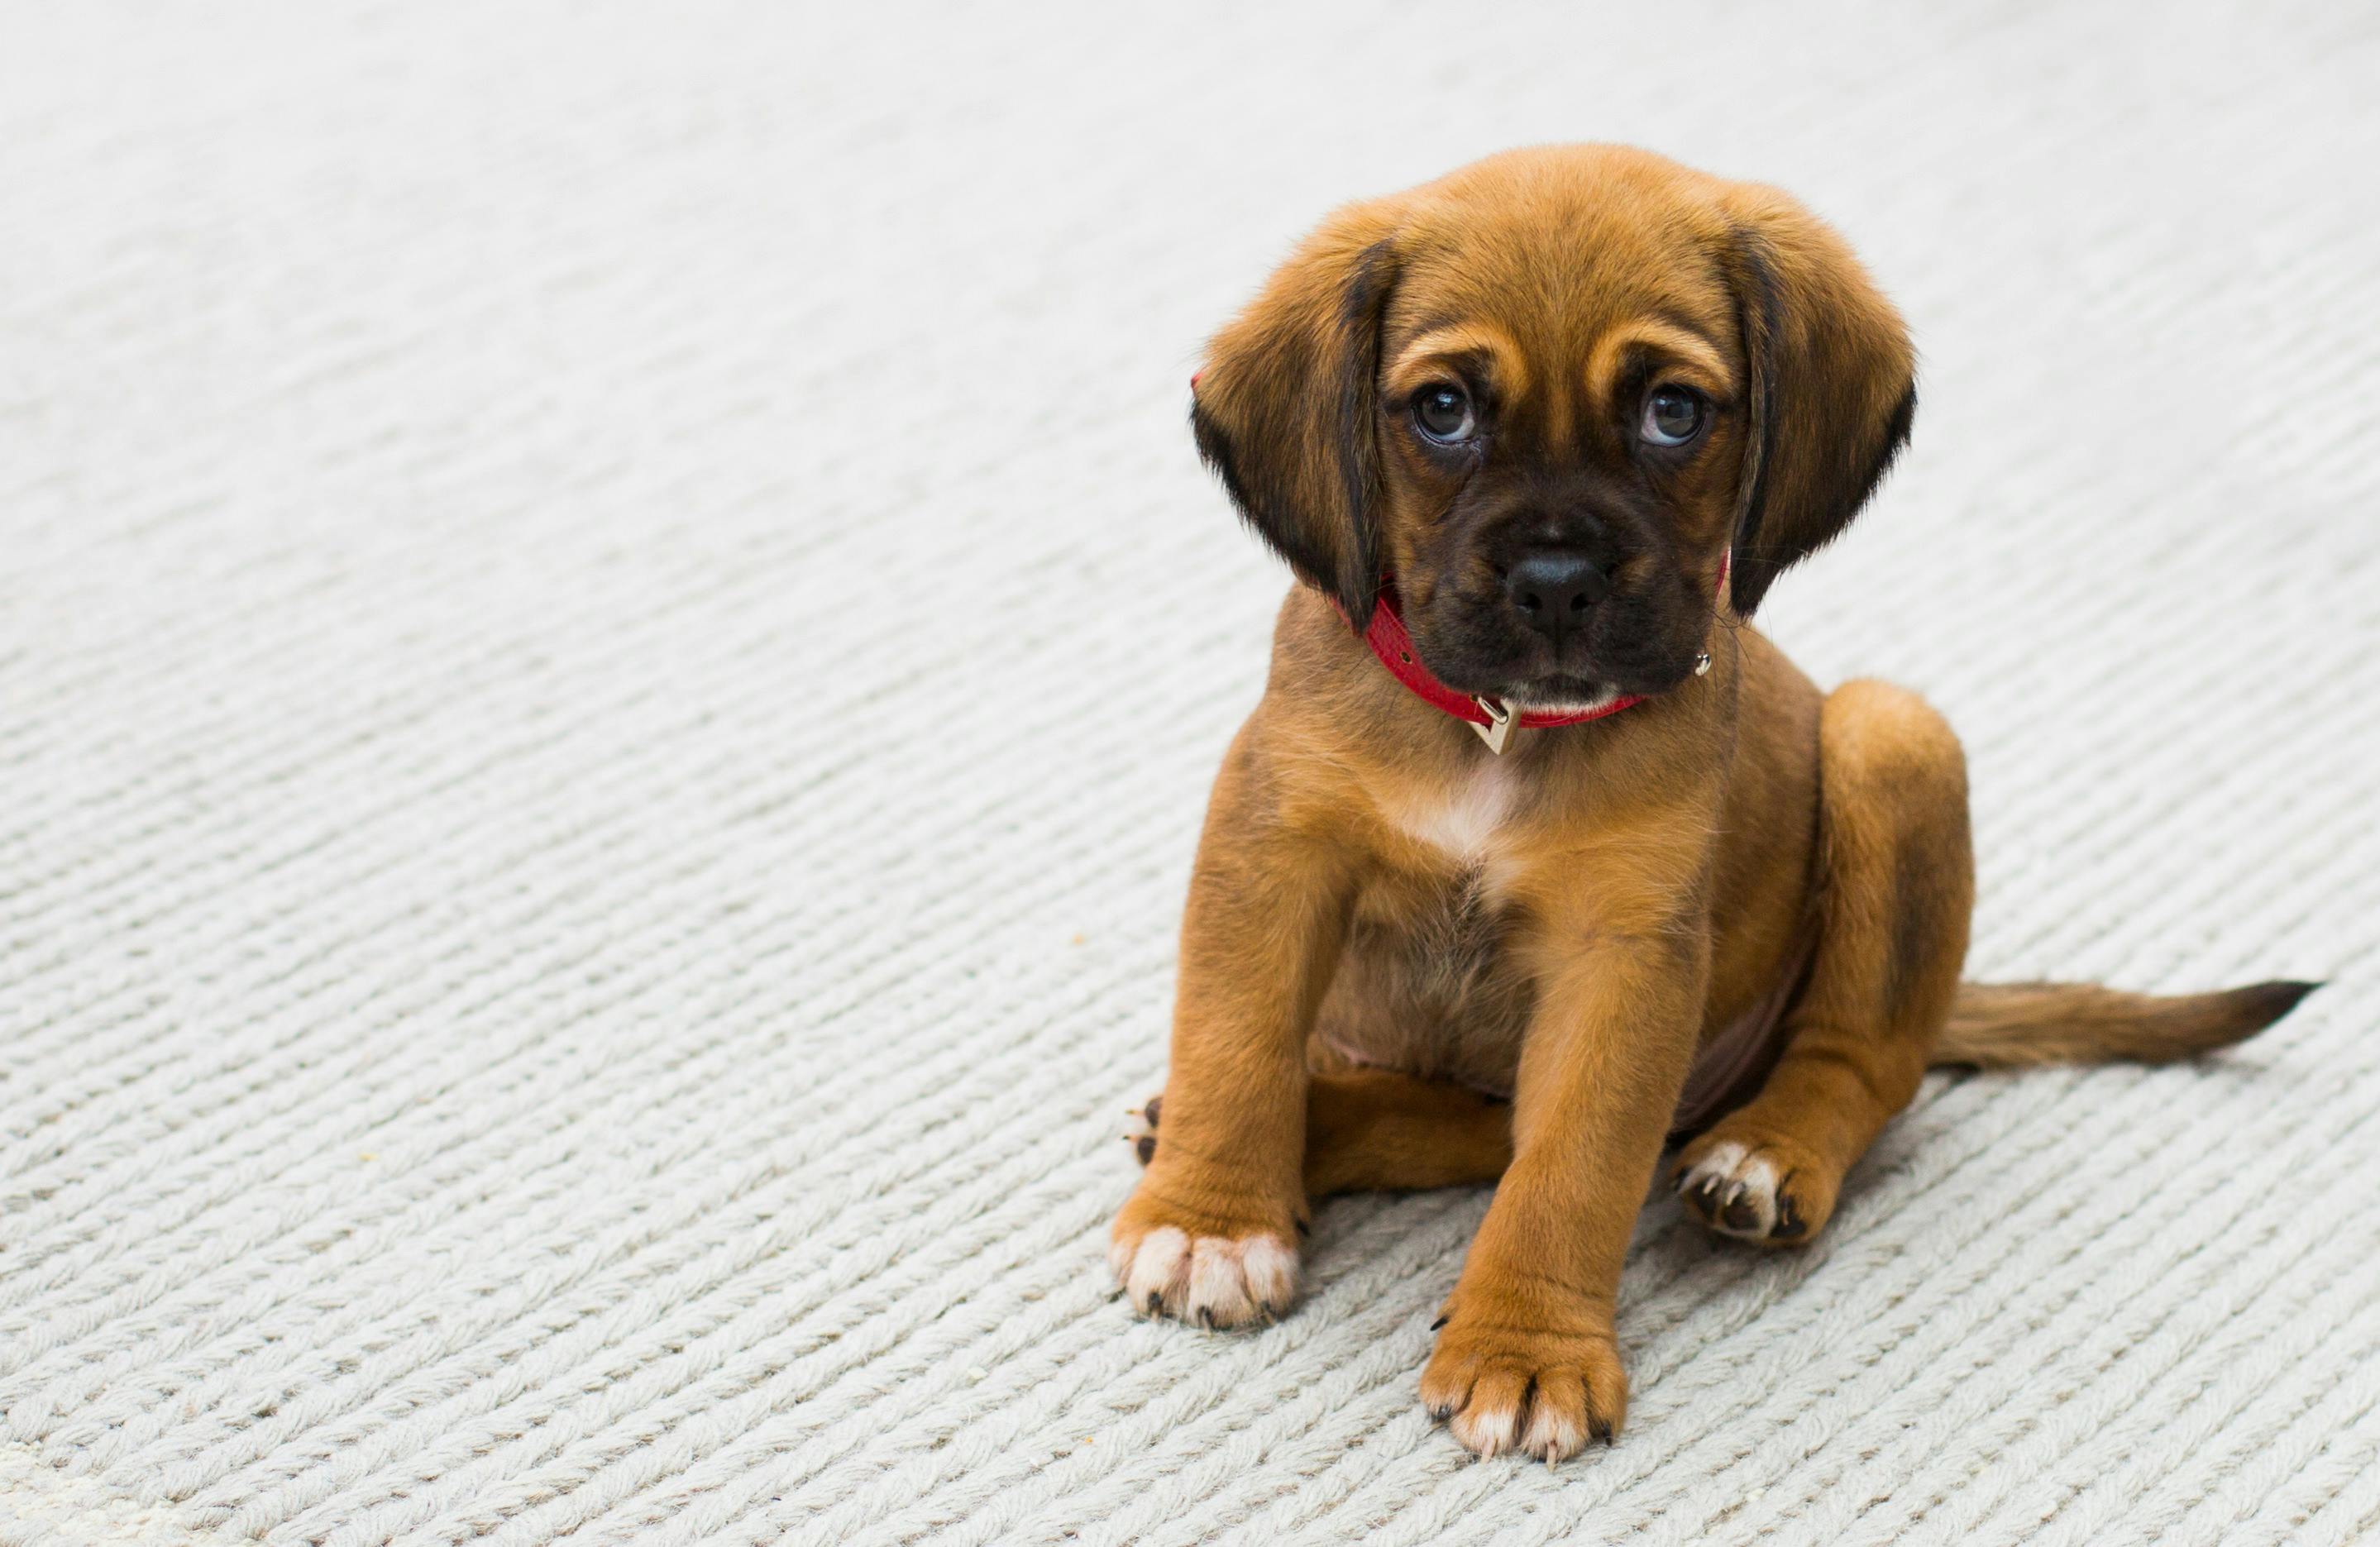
column 1285, row 408
column 1833, row 386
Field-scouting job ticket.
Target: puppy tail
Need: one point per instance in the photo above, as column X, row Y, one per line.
column 2022, row 1025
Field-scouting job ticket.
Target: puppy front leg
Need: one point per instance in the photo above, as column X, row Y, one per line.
column 1528, row 1359
column 1210, row 1234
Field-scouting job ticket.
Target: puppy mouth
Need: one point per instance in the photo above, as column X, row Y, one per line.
column 1524, row 673
column 1473, row 648
column 1559, row 693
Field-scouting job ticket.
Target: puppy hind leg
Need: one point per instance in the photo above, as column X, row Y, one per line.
column 1375, row 1129
column 1896, row 896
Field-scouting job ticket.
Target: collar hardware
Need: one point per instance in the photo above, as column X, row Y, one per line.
column 1499, row 729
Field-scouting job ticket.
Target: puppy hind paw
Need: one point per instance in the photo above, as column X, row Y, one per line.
column 1143, row 1139
column 1753, row 1192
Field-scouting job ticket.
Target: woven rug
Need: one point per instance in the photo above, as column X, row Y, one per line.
column 610, row 651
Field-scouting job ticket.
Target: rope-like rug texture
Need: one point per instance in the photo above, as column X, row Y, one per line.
column 611, row 652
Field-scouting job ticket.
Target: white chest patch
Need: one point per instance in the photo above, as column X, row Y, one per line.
column 1464, row 823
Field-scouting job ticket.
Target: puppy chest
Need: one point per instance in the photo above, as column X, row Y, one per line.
column 1462, row 823
column 1428, row 984
column 1443, row 912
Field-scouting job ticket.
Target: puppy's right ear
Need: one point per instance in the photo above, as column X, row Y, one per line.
column 1285, row 409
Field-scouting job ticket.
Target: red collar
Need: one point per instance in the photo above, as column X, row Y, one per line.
column 1495, row 723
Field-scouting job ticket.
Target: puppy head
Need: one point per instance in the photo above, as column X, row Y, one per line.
column 1542, row 396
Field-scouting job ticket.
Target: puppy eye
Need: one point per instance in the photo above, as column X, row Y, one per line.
column 1443, row 414
column 1672, row 415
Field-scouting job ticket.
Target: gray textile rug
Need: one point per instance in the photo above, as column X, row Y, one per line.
column 611, row 652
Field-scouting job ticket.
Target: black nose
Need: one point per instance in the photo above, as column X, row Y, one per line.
column 1554, row 591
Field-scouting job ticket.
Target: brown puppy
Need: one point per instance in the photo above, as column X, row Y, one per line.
column 1566, row 413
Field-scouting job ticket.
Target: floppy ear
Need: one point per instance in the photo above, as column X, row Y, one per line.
column 1833, row 387
column 1285, row 409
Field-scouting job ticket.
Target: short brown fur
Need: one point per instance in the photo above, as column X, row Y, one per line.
column 1386, row 920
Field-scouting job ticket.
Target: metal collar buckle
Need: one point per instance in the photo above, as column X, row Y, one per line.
column 1499, row 729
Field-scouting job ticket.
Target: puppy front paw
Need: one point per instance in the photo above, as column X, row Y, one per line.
column 1219, row 1267
column 1501, row 1384
column 1760, row 1190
